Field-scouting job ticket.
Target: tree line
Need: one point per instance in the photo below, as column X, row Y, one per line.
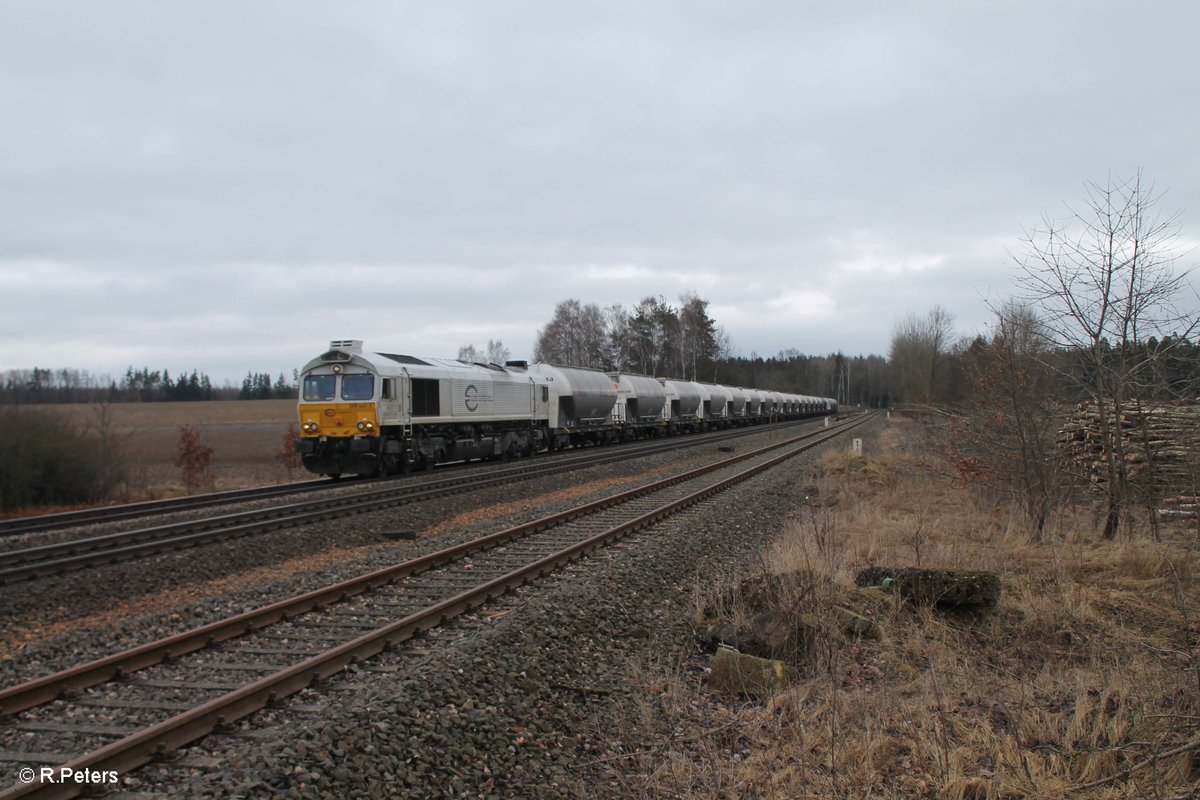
column 684, row 341
column 144, row 385
column 258, row 386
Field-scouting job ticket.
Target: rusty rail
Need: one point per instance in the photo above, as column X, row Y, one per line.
column 139, row 748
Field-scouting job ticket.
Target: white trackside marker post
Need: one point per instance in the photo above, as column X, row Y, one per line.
column 827, row 422
column 857, row 446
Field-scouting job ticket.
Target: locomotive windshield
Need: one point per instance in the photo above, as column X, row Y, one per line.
column 358, row 387
column 319, row 387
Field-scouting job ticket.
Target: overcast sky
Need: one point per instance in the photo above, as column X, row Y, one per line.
column 229, row 185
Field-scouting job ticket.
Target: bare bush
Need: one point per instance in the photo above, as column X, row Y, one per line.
column 1003, row 441
column 286, row 454
column 49, row 460
column 194, row 459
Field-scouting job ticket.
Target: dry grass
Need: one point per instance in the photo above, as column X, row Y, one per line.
column 1083, row 683
column 244, row 435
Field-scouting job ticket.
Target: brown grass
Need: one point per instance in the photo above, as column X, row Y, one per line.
column 244, row 435
column 1083, row 683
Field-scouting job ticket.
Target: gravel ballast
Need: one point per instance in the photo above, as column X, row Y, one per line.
column 525, row 698
column 128, row 603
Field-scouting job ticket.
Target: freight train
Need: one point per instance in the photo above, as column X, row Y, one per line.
column 366, row 413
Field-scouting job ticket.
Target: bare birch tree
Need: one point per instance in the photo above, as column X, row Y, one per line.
column 1103, row 279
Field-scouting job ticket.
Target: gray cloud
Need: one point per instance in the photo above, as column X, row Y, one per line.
column 229, row 185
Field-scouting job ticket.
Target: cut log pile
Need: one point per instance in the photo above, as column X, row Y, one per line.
column 1162, row 441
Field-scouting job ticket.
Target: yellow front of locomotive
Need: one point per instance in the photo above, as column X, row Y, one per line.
column 339, row 415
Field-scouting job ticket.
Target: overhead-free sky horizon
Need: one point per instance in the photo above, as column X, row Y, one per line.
column 228, row 186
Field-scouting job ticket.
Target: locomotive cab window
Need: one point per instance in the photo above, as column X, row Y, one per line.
column 389, row 389
column 358, row 387
column 319, row 387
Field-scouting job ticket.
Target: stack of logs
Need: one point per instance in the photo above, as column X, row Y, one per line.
column 1162, row 440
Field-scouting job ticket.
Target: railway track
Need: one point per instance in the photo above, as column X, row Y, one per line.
column 126, row 511
column 74, row 554
column 179, row 689
column 94, row 516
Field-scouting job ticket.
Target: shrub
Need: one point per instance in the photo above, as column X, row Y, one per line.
column 45, row 459
column 287, row 454
column 194, row 458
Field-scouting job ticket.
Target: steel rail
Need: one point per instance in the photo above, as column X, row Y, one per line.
column 40, row 523
column 41, row 690
column 87, row 516
column 138, row 748
column 73, row 554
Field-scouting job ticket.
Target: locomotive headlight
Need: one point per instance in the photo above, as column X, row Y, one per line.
column 366, row 425
column 309, row 427
column 362, row 426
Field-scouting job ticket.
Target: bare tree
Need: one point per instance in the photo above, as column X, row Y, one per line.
column 494, row 353
column 1004, row 437
column 497, row 353
column 655, row 332
column 618, row 351
column 574, row 336
column 918, row 354
column 723, row 349
column 110, row 450
column 697, row 343
column 1103, row 279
